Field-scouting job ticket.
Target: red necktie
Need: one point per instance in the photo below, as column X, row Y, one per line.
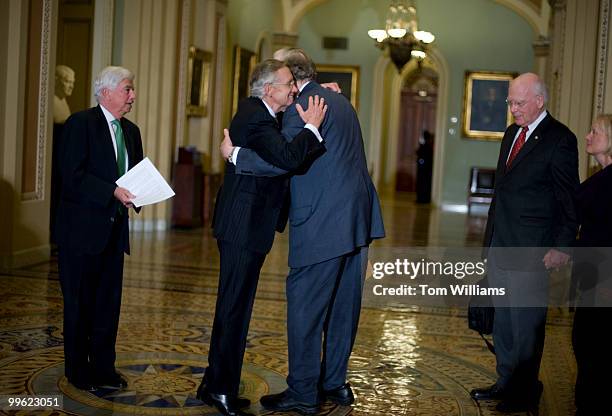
column 518, row 144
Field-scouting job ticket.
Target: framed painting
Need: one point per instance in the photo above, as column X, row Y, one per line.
column 198, row 80
column 244, row 62
column 347, row 77
column 485, row 112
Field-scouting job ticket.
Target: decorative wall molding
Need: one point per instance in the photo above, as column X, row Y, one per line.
column 219, row 78
column 107, row 51
column 602, row 56
column 555, row 68
column 43, row 106
column 183, row 55
column 601, row 73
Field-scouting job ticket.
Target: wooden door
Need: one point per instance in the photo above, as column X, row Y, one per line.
column 75, row 28
column 416, row 115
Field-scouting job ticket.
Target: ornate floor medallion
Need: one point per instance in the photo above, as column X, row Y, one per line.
column 408, row 360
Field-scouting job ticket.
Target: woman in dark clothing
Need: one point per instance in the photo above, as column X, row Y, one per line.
column 592, row 276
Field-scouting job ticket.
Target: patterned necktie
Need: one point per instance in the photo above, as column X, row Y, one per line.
column 518, row 144
column 121, row 152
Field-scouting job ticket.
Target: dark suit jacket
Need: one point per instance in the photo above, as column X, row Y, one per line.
column 334, row 205
column 88, row 171
column 592, row 262
column 594, row 205
column 248, row 208
column 533, row 203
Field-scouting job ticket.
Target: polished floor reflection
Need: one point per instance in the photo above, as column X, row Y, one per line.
column 407, row 360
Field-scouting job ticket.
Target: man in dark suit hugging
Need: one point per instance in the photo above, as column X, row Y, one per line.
column 247, row 214
column 334, row 216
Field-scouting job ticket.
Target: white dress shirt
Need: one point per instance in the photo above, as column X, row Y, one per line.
column 531, row 129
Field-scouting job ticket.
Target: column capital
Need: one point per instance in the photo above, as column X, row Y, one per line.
column 557, row 4
column 541, row 46
column 284, row 40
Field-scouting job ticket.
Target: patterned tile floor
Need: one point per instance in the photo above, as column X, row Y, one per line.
column 407, row 360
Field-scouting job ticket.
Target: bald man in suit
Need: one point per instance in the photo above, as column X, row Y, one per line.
column 531, row 225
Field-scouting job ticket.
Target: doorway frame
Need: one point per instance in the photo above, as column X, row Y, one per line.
column 382, row 149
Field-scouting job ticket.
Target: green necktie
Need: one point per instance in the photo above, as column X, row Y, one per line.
column 121, row 153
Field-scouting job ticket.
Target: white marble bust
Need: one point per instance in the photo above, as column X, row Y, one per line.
column 64, row 84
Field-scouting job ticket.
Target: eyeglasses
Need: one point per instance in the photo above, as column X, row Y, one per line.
column 518, row 104
column 289, row 84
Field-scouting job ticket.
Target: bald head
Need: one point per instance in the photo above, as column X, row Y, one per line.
column 527, row 98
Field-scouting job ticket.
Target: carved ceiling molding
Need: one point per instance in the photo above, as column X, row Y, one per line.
column 535, row 12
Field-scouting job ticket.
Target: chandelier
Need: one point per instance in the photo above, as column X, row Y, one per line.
column 401, row 36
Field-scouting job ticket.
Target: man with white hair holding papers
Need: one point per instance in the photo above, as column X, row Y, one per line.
column 98, row 146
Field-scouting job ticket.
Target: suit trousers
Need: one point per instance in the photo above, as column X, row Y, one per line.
column 594, row 365
column 238, row 277
column 518, row 327
column 91, row 286
column 323, row 307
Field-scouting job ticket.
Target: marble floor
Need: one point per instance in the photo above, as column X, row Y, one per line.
column 407, row 360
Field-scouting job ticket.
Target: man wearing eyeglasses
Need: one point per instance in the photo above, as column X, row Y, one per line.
column 334, row 216
column 531, row 224
column 247, row 213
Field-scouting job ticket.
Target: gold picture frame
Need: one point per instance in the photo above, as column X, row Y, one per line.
column 244, row 62
column 347, row 77
column 198, row 80
column 485, row 112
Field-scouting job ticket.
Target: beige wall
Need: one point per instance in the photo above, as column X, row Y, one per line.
column 156, row 35
column 149, row 49
column 572, row 68
column 24, row 218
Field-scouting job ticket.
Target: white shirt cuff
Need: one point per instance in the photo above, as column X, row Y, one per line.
column 315, row 131
column 234, row 157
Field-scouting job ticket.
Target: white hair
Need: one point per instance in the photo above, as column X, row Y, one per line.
column 264, row 73
column 109, row 78
column 539, row 88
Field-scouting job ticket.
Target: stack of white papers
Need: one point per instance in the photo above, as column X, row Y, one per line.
column 146, row 183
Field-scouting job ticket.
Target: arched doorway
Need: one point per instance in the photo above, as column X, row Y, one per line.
column 417, row 123
column 385, row 125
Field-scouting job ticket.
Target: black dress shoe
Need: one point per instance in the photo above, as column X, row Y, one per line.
column 342, row 395
column 83, row 385
column 226, row 404
column 111, row 381
column 282, row 402
column 239, row 402
column 493, row 392
column 522, row 401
